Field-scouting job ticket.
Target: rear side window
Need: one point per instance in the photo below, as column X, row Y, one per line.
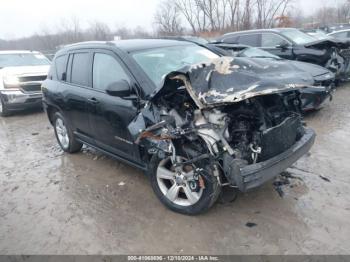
column 251, row 40
column 107, row 70
column 61, row 66
column 231, row 40
column 80, row 69
column 271, row 40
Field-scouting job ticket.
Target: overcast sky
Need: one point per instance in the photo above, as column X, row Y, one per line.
column 24, row 17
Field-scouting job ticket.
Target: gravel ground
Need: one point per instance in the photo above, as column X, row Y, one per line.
column 53, row 203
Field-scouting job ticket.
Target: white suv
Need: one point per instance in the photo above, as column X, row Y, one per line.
column 21, row 76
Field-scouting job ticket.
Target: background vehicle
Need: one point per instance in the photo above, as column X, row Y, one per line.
column 316, row 33
column 341, row 35
column 336, row 27
column 192, row 120
column 21, row 76
column 292, row 44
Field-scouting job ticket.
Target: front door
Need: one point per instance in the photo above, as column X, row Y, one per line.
column 111, row 115
column 276, row 45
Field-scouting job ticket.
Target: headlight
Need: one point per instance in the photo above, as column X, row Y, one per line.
column 11, row 81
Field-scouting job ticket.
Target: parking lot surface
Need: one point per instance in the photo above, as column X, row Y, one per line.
column 88, row 203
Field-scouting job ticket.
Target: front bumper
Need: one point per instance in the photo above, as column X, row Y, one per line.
column 17, row 99
column 249, row 177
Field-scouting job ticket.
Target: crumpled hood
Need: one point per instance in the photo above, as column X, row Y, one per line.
column 327, row 43
column 230, row 80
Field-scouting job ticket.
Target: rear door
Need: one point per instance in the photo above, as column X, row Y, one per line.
column 244, row 39
column 77, row 91
column 273, row 43
column 111, row 115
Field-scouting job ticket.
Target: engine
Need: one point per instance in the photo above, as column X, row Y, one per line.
column 256, row 129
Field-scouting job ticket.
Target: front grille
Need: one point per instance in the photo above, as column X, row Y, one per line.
column 32, row 78
column 276, row 140
column 31, row 88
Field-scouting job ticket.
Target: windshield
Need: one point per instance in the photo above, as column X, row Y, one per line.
column 159, row 62
column 253, row 52
column 23, row 59
column 319, row 35
column 298, row 37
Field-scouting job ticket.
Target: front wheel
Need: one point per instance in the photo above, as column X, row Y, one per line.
column 64, row 135
column 3, row 108
column 184, row 189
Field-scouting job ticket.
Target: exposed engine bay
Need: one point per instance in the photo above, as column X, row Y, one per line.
column 238, row 129
column 249, row 132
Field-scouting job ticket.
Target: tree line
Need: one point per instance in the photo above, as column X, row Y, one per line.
column 201, row 16
column 68, row 31
column 191, row 17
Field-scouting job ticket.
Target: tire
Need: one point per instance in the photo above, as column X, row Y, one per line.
column 3, row 108
column 64, row 135
column 207, row 198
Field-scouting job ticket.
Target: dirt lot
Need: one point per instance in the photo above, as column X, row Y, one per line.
column 53, row 203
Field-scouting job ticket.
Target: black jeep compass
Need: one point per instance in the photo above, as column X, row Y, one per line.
column 193, row 121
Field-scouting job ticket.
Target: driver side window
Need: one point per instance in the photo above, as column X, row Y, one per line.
column 107, row 70
column 271, row 40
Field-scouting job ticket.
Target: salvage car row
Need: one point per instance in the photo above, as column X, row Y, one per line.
column 195, row 116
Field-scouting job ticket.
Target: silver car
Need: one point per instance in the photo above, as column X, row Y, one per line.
column 21, row 76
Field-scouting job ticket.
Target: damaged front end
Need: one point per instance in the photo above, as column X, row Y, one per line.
column 335, row 53
column 247, row 129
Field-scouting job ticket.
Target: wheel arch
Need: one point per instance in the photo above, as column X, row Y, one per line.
column 51, row 111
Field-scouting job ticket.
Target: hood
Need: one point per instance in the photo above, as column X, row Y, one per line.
column 25, row 70
column 314, row 70
column 231, row 80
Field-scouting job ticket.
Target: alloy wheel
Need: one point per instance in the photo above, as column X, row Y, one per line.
column 178, row 184
column 62, row 133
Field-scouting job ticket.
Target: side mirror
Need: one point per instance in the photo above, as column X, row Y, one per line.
column 121, row 88
column 283, row 45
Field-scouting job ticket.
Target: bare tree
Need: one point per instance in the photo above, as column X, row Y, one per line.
column 192, row 14
column 167, row 19
column 233, row 7
column 99, row 31
column 247, row 15
column 223, row 15
column 70, row 30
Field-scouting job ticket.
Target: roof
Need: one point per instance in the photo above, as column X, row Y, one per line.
column 276, row 30
column 339, row 31
column 8, row 52
column 131, row 45
column 142, row 44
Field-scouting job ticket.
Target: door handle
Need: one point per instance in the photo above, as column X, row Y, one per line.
column 93, row 101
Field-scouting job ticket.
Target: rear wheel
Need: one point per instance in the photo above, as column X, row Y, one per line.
column 64, row 135
column 184, row 189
